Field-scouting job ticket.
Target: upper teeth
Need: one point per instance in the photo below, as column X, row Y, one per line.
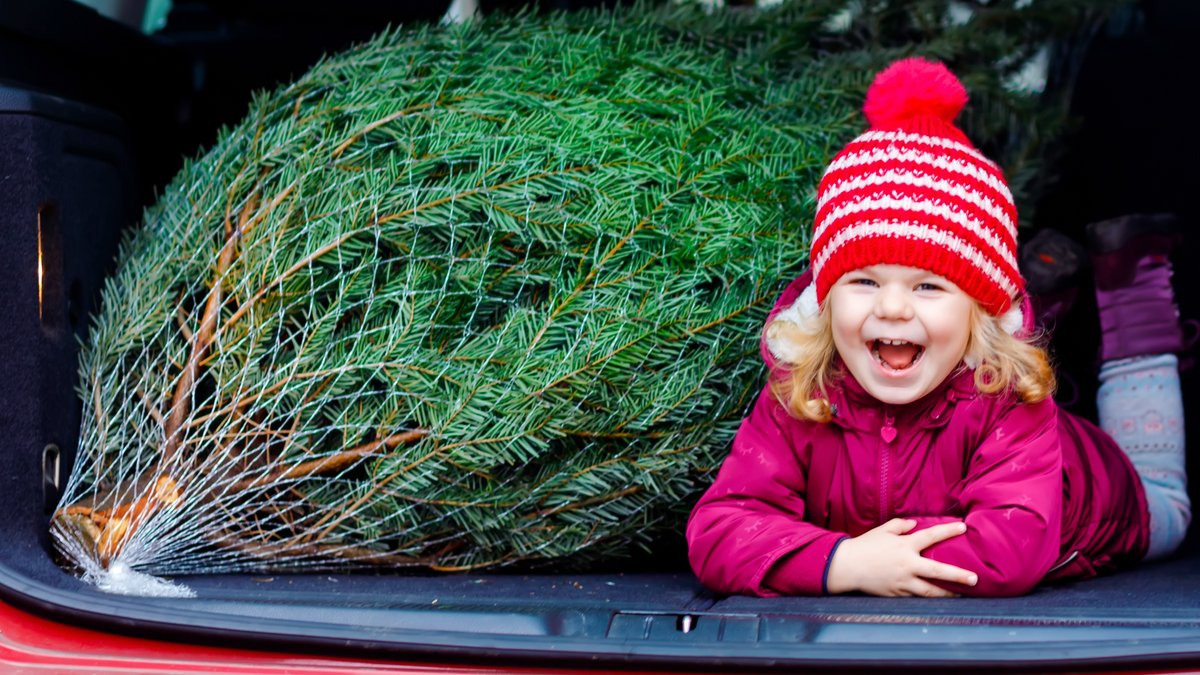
column 893, row 342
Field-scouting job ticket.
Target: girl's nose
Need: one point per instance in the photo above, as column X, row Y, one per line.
column 894, row 303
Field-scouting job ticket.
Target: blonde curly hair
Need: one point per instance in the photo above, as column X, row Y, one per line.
column 805, row 350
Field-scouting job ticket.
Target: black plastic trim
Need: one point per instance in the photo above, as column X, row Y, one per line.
column 1141, row 643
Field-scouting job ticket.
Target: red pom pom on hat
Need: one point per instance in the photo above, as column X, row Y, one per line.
column 911, row 88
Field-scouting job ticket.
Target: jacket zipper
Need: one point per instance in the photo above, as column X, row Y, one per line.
column 887, row 433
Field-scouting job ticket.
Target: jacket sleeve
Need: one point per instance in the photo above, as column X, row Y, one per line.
column 1012, row 498
column 747, row 533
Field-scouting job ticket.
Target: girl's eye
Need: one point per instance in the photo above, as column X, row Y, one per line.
column 928, row 287
column 862, row 281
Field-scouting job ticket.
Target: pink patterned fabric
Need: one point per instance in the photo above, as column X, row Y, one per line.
column 1045, row 495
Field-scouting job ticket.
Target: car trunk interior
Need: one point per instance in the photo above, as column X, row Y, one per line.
column 73, row 175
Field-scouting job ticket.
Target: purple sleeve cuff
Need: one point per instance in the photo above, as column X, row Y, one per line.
column 806, row 570
column 828, row 562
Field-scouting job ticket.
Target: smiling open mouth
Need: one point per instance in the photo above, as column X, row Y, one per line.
column 897, row 354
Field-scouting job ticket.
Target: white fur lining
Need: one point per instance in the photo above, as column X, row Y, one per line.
column 804, row 308
column 1014, row 319
column 801, row 312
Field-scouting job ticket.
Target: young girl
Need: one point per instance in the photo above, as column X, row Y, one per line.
column 906, row 443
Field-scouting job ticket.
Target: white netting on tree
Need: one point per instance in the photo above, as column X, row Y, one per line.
column 456, row 298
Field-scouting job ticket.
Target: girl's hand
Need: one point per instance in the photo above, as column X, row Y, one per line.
column 886, row 561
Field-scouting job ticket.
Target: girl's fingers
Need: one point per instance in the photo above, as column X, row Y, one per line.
column 944, row 572
column 932, row 535
column 898, row 526
column 924, row 589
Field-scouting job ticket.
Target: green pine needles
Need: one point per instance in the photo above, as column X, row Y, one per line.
column 457, row 298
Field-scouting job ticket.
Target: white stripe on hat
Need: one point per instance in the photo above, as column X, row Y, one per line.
column 925, row 206
column 939, row 142
column 922, row 180
column 890, row 229
column 853, row 157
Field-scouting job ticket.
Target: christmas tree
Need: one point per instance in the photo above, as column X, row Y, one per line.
column 463, row 297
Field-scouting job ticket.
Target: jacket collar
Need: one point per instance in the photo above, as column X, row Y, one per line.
column 855, row 408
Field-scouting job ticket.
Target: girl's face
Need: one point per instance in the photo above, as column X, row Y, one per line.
column 900, row 330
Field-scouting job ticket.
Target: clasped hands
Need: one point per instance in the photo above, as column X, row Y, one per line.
column 887, row 561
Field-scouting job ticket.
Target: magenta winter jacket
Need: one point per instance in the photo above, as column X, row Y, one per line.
column 1046, row 495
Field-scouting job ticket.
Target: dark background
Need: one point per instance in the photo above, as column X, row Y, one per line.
column 1132, row 152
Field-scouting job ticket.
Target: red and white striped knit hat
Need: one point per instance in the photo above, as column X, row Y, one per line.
column 913, row 191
